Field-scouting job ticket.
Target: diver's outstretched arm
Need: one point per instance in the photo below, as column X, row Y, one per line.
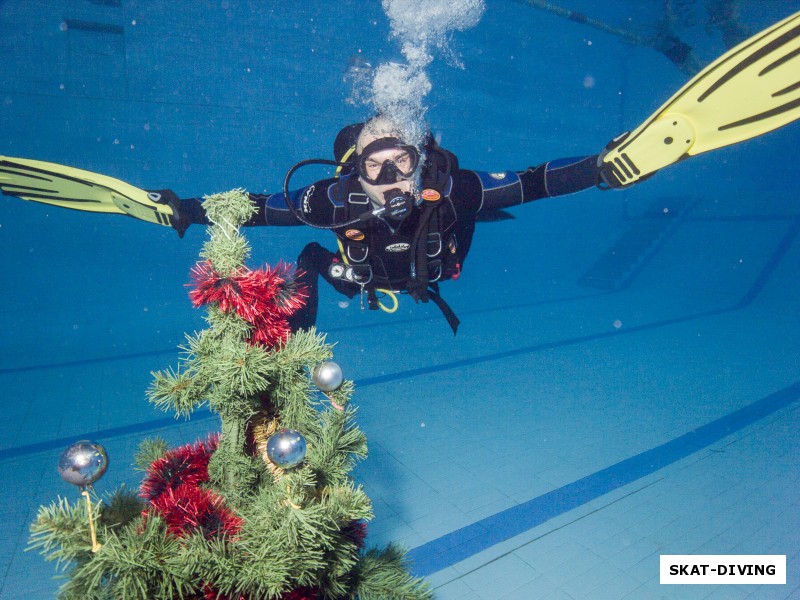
column 312, row 202
column 272, row 210
column 484, row 191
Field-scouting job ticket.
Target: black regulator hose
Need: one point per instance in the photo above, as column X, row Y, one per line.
column 297, row 214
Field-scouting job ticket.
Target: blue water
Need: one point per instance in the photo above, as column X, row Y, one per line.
column 569, row 435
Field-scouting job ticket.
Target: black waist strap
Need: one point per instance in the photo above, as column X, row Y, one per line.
column 448, row 313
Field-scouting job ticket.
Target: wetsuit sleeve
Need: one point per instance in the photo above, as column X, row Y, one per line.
column 272, row 209
column 480, row 190
column 312, row 202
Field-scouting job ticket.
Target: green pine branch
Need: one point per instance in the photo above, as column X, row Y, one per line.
column 339, row 446
column 141, row 561
column 176, row 391
column 227, row 249
column 61, row 532
column 383, row 575
column 120, row 508
column 149, row 451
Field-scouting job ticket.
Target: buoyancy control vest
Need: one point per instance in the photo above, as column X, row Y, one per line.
column 410, row 257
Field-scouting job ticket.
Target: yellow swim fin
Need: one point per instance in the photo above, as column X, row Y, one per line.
column 750, row 90
column 69, row 187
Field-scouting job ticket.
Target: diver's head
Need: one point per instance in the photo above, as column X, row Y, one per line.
column 387, row 166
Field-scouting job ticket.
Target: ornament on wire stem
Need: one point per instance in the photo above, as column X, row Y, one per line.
column 82, row 464
column 327, row 376
column 286, row 448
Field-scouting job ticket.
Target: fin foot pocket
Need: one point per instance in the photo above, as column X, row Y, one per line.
column 668, row 140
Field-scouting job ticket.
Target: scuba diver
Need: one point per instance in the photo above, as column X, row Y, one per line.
column 404, row 215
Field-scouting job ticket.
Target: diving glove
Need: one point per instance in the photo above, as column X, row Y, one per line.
column 178, row 220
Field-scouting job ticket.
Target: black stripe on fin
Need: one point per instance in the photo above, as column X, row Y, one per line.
column 59, row 199
column 55, row 175
column 631, row 164
column 8, row 186
column 786, row 90
column 616, row 173
column 779, row 62
column 761, row 116
column 28, row 175
column 51, row 174
column 622, row 167
column 751, row 59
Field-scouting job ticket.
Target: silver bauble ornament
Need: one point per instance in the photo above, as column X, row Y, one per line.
column 83, row 463
column 286, row 448
column 327, row 376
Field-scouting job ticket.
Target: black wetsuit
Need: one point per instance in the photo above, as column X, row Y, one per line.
column 381, row 252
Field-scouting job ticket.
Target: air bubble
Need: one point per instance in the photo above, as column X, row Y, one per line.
column 422, row 27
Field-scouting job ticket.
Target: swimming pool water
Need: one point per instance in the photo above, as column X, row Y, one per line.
column 570, row 434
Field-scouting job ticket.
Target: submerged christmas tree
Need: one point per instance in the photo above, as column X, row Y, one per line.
column 267, row 509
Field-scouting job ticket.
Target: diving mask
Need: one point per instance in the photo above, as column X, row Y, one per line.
column 386, row 161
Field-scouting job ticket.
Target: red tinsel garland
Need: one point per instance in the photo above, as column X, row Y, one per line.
column 189, row 509
column 172, row 488
column 356, row 532
column 265, row 298
column 185, row 465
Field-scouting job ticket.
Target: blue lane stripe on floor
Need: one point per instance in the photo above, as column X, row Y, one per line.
column 205, row 413
column 60, row 443
column 463, row 543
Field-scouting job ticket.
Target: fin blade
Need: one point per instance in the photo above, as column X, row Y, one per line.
column 752, row 89
column 36, row 182
column 69, row 187
column 756, row 94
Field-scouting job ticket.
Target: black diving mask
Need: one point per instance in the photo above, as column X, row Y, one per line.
column 382, row 170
